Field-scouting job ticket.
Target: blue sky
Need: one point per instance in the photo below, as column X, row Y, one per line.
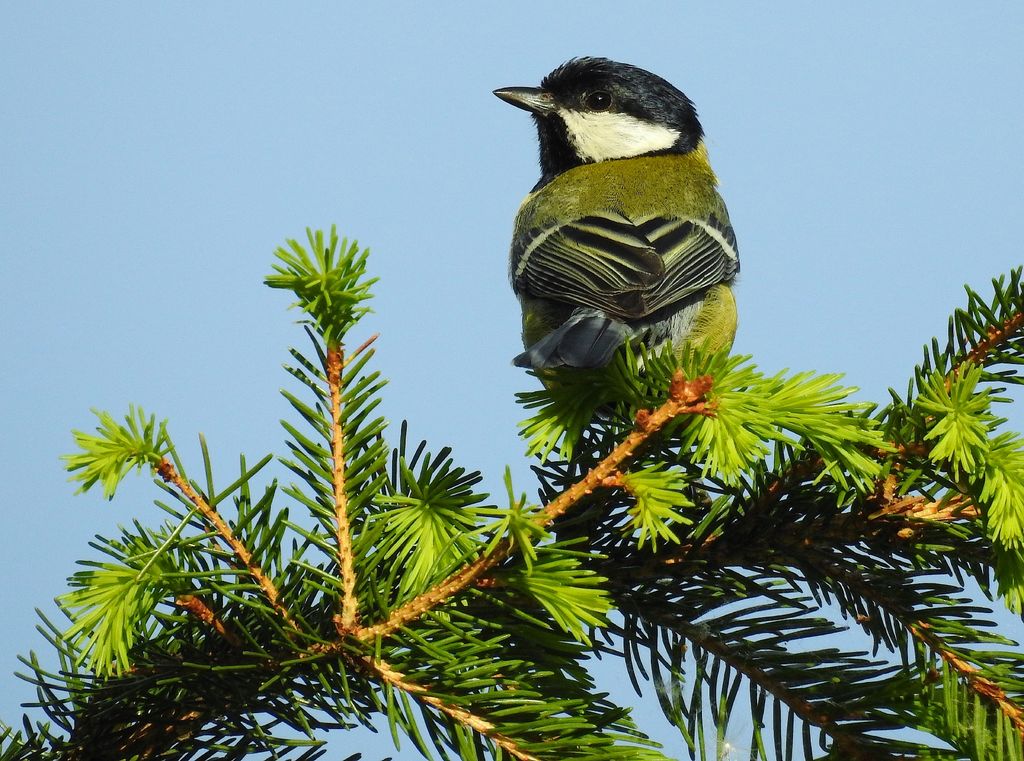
column 153, row 156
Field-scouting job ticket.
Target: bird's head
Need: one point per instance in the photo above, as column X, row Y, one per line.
column 593, row 109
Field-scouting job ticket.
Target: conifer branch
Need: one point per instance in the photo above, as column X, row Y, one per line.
column 900, row 519
column 150, row 739
column 686, row 397
column 166, row 470
column 840, row 516
column 826, row 720
column 433, row 597
column 796, row 471
column 903, row 525
column 921, row 508
column 476, row 723
column 985, row 688
column 204, row 613
column 916, row 507
column 995, row 335
column 852, row 529
column 343, row 536
column 921, row 630
column 335, row 366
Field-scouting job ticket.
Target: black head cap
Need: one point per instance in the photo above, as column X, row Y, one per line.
column 597, row 85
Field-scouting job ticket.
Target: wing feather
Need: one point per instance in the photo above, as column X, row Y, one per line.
column 628, row 269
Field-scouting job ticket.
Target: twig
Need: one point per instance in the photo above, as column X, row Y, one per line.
column 901, row 519
column 202, row 611
column 820, row 716
column 349, row 609
column 685, row 397
column 993, row 337
column 922, row 508
column 146, row 740
column 986, row 688
column 433, row 597
column 461, row 715
column 169, row 473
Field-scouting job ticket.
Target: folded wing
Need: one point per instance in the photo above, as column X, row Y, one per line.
column 627, row 268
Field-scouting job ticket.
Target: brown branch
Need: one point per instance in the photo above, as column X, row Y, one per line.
column 845, row 742
column 343, row 536
column 912, row 507
column 433, row 597
column 807, row 711
column 169, row 473
column 106, row 737
column 984, row 687
column 901, row 519
column 202, row 611
column 994, row 336
column 796, row 471
column 921, row 508
column 686, row 397
column 476, row 723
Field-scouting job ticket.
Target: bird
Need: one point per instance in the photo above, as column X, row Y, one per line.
column 625, row 238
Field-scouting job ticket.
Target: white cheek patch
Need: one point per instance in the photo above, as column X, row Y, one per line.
column 608, row 135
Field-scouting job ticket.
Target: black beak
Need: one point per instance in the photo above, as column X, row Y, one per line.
column 531, row 99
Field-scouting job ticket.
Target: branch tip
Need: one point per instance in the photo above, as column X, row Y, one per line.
column 683, row 391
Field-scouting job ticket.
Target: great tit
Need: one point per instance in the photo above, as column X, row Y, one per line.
column 624, row 238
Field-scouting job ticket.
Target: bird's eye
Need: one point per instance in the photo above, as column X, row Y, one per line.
column 598, row 100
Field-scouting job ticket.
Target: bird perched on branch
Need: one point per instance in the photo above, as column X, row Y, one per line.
column 624, row 238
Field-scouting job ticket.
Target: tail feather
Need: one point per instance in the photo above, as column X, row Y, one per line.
column 583, row 341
